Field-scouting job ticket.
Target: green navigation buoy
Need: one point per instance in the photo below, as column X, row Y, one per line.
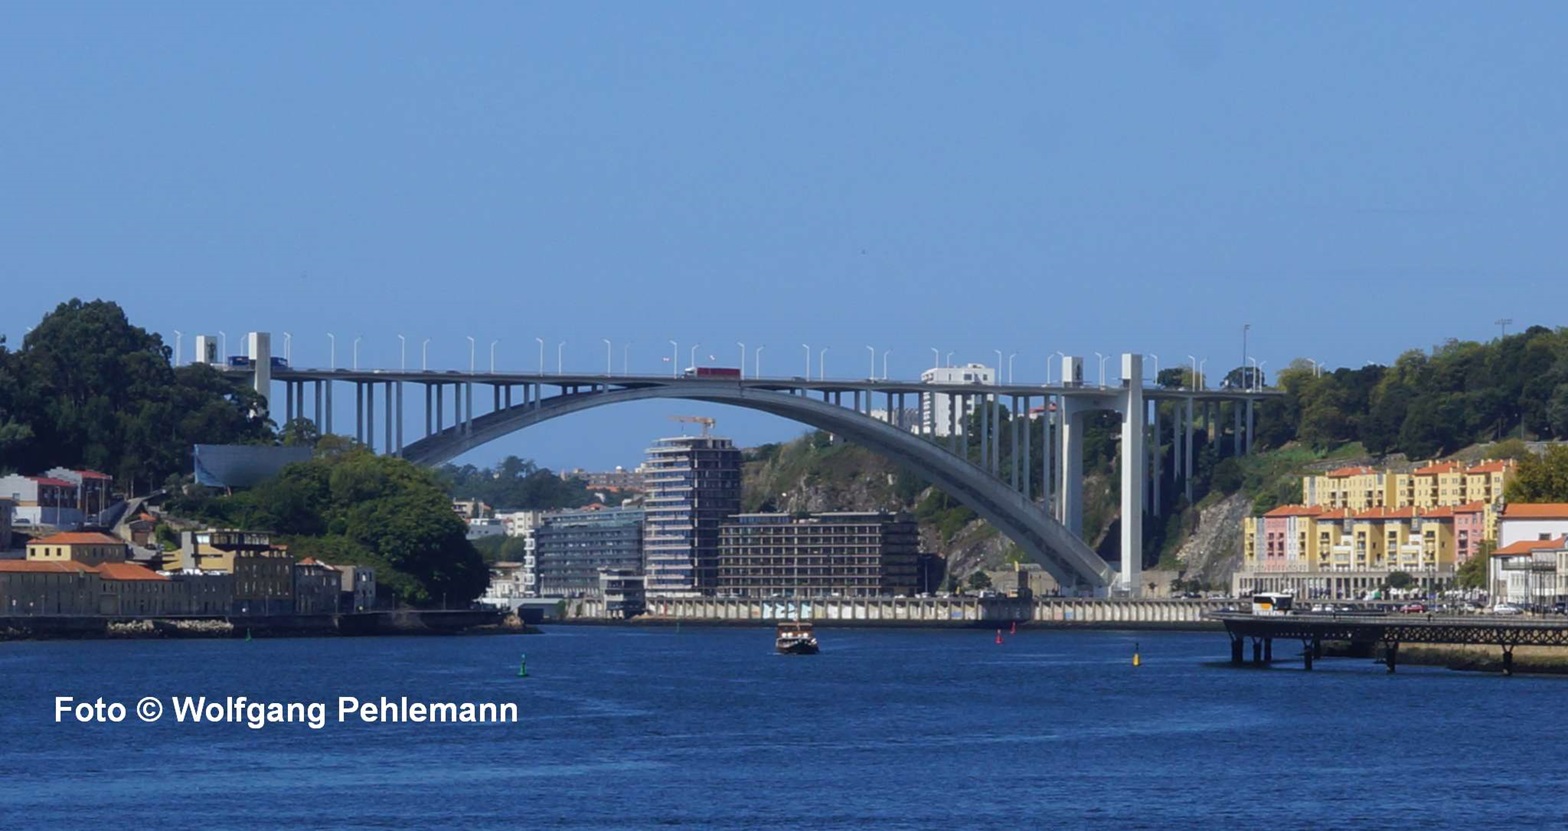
column 522, row 668
column 247, row 634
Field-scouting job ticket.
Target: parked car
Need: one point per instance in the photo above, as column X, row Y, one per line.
column 1506, row 609
column 1413, row 608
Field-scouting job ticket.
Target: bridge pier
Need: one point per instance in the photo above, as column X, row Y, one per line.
column 1133, row 459
column 1508, row 659
column 1257, row 650
column 1307, row 648
column 1391, row 654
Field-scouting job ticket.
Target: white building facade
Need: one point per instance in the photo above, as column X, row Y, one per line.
column 942, row 414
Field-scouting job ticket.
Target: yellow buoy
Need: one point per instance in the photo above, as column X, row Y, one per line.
column 1136, row 659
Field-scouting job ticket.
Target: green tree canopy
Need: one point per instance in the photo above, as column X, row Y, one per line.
column 1541, row 478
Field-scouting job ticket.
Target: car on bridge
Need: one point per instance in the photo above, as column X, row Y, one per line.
column 1506, row 609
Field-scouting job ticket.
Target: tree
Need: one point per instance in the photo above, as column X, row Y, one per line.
column 1472, row 573
column 1541, row 478
column 979, row 580
column 1400, row 580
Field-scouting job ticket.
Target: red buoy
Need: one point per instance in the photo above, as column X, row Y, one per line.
column 1015, row 628
column 998, row 636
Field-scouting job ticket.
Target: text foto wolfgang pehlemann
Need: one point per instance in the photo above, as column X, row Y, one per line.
column 259, row 714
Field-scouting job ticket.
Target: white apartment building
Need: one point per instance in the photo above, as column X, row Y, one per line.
column 942, row 414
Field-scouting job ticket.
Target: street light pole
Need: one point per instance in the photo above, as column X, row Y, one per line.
column 998, row 365
column 541, row 355
column 471, row 364
column 424, row 356
column 873, row 351
column 1010, row 367
column 560, row 356
column 950, row 359
column 675, row 359
column 609, row 367
column 807, row 347
column 1259, row 377
column 1192, row 383
column 693, row 365
column 822, row 363
column 492, row 355
column 936, row 358
column 1102, row 368
column 1245, row 327
column 356, row 352
column 178, row 337
column 1203, row 381
column 288, row 341
column 223, row 341
column 884, row 363
column 756, row 361
column 742, row 358
column 402, row 353
column 332, row 360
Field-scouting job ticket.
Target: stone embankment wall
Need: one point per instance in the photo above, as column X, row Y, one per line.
column 936, row 611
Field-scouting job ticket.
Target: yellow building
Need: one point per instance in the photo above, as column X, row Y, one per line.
column 87, row 548
column 263, row 572
column 1356, row 488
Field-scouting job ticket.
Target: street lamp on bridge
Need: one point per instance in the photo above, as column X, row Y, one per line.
column 288, row 340
column 742, row 357
column 223, row 344
column 471, row 344
column 560, row 356
column 693, row 363
column 178, row 336
column 936, row 357
column 424, row 356
column 609, row 368
column 1156, row 368
column 1102, row 367
column 884, row 363
column 332, row 355
column 1010, row 367
column 873, row 351
column 807, row 347
column 357, row 339
column 541, row 355
column 402, row 352
column 675, row 359
column 822, row 363
column 756, row 361
column 492, row 355
column 949, row 358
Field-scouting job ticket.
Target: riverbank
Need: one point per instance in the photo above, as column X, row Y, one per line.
column 935, row 623
column 400, row 622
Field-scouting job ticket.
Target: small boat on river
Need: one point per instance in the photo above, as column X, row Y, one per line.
column 795, row 637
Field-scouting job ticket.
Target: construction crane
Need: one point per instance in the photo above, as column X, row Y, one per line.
column 707, row 423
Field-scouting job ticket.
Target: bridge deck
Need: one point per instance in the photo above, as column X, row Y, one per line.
column 1390, row 630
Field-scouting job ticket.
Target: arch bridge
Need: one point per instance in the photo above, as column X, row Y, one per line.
column 950, row 433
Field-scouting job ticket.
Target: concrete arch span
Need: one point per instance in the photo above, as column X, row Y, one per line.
column 1042, row 538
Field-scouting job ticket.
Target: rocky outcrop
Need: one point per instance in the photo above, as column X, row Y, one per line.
column 1213, row 552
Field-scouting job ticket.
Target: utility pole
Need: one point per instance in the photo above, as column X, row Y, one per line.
column 1502, row 326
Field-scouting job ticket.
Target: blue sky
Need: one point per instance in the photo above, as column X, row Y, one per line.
column 1351, row 179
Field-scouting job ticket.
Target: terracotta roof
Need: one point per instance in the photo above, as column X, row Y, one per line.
column 1442, row 512
column 1438, row 467
column 1540, row 510
column 44, row 566
column 1523, row 547
column 91, row 474
column 79, row 538
column 1471, row 507
column 1294, row 510
column 127, row 571
column 54, row 483
column 1491, row 467
column 1337, row 513
column 1343, row 472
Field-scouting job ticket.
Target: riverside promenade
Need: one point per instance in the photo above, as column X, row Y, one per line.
column 960, row 611
column 1390, row 630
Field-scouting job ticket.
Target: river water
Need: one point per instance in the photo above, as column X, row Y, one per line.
column 625, row 727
